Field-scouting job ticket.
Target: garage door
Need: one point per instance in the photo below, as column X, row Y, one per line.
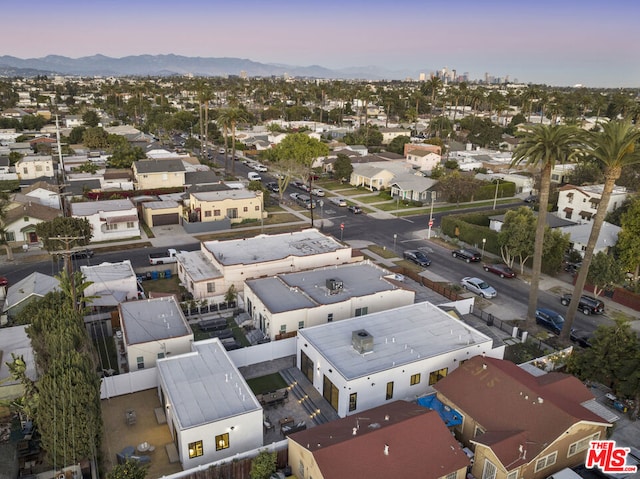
column 166, row 219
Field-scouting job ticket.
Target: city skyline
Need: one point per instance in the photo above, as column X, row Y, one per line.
column 556, row 43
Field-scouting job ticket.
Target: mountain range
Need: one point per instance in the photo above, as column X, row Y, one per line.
column 169, row 65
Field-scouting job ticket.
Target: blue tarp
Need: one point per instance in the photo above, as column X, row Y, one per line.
column 449, row 416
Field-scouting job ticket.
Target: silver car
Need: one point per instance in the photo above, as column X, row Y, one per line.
column 478, row 286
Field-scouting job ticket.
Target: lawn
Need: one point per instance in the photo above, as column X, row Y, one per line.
column 170, row 285
column 385, row 253
column 265, row 384
column 371, row 199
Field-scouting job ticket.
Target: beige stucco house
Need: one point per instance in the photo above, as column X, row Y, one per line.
column 151, row 174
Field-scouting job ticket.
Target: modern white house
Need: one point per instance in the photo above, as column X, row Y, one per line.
column 111, row 283
column 211, row 411
column 32, row 167
column 153, row 329
column 361, row 363
column 579, row 237
column 109, row 219
column 580, row 203
column 234, row 261
column 423, row 160
column 283, row 304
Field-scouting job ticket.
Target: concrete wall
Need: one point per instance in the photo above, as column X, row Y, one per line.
column 263, row 352
column 122, row 384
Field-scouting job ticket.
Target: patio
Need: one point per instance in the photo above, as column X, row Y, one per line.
column 120, row 432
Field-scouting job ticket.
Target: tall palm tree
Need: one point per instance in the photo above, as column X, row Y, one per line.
column 4, row 206
column 232, row 116
column 543, row 146
column 615, row 147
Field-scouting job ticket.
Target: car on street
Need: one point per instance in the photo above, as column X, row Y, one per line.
column 317, row 192
column 356, row 210
column 531, row 199
column 549, row 319
column 469, row 255
column 479, row 286
column 588, row 304
column 338, row 201
column 259, row 167
column 82, row 254
column 221, row 151
column 417, row 257
column 273, row 187
column 500, row 269
column 294, row 196
column 3, row 281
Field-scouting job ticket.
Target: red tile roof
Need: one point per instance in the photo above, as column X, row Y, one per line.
column 419, row 444
column 510, row 404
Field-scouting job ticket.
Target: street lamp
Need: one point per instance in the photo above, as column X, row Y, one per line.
column 395, row 237
column 484, row 242
column 495, row 198
column 430, row 217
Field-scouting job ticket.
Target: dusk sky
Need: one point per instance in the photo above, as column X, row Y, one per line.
column 557, row 42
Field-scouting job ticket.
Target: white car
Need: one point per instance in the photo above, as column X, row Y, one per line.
column 221, row 151
column 317, row 192
column 260, row 167
column 338, row 201
column 479, row 286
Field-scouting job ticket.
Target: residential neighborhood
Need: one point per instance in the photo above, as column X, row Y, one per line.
column 218, row 270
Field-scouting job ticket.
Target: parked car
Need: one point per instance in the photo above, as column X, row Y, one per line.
column 273, row 186
column 549, row 319
column 572, row 268
column 221, row 151
column 3, row 281
column 469, row 255
column 294, row 196
column 253, row 176
column 500, row 269
column 531, row 199
column 317, row 192
column 588, row 304
column 297, row 184
column 259, row 167
column 478, row 286
column 417, row 257
column 338, row 201
column 82, row 254
column 356, row 210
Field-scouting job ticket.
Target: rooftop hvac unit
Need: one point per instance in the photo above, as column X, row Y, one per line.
column 362, row 341
column 334, row 285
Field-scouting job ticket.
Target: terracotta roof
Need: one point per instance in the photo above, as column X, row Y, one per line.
column 419, row 444
column 540, row 407
column 32, row 210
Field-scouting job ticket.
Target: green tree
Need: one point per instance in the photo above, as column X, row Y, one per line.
column 517, row 236
column 91, row 118
column 397, row 144
column 628, row 245
column 263, row 465
column 556, row 243
column 129, row 470
column 342, row 167
column 585, row 173
column 95, row 138
column 615, row 147
column 4, row 207
column 604, row 272
column 77, row 135
column 63, row 233
column 543, row 146
column 458, row 187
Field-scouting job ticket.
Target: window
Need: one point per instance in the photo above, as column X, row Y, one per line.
column 257, row 207
column 216, row 212
column 513, row 475
column 353, row 401
column 38, row 167
column 581, row 445
column 283, row 328
column 329, row 317
column 160, row 355
column 245, row 209
column 435, row 376
column 546, row 461
column 112, row 227
column 130, row 224
column 165, row 177
column 195, row 449
column 211, row 287
column 362, row 311
column 10, row 236
column 222, row 441
column 140, row 361
column 489, row 470
column 207, row 214
column 415, row 379
column 232, row 213
column 300, row 324
column 453, row 475
column 26, row 219
column 301, row 468
column 25, row 171
column 478, row 431
column 389, row 394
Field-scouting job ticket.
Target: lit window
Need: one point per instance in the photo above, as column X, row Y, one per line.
column 222, row 441
column 435, row 376
column 415, row 379
column 353, row 401
column 195, row 449
column 389, row 394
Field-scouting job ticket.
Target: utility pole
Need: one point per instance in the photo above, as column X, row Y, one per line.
column 68, row 264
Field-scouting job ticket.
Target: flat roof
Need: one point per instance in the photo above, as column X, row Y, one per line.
column 264, row 248
column 197, row 266
column 88, row 208
column 160, row 205
column 154, row 319
column 204, row 386
column 106, row 272
column 401, row 336
column 308, row 289
column 230, row 194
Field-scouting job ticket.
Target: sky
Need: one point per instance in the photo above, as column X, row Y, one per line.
column 553, row 42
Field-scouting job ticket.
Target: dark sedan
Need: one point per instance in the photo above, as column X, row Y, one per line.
column 500, row 269
column 469, row 255
column 418, row 257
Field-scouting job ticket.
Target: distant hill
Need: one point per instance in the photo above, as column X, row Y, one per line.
column 167, row 65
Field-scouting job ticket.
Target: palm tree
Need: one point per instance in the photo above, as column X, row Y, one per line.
column 231, row 116
column 615, row 147
column 543, row 146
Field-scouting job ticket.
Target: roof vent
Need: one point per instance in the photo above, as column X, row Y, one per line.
column 334, row 285
column 362, row 341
